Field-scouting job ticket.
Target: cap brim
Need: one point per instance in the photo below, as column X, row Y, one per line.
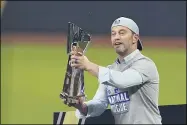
column 139, row 45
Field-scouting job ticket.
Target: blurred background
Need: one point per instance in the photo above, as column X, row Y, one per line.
column 33, row 51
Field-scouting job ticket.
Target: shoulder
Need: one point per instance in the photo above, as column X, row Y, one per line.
column 144, row 61
column 147, row 67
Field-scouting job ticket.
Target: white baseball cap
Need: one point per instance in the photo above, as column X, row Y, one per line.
column 129, row 23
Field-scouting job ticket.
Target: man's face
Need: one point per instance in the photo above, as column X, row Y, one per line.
column 122, row 39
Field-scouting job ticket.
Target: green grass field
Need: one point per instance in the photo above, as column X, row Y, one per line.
column 32, row 77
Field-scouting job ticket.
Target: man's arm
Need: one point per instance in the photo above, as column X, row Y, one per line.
column 97, row 105
column 125, row 79
column 139, row 73
column 93, row 69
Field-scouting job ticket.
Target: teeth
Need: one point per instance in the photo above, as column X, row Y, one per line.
column 117, row 43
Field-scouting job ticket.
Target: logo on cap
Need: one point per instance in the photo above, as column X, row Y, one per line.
column 116, row 21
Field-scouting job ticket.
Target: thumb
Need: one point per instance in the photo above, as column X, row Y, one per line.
column 80, row 53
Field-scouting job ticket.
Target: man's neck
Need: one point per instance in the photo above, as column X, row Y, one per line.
column 121, row 57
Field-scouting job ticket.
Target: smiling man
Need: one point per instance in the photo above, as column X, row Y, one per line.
column 130, row 85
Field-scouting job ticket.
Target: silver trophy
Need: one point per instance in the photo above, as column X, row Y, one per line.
column 73, row 86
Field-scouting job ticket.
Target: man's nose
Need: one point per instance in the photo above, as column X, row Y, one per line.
column 117, row 37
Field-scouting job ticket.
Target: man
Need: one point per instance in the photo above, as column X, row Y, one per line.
column 130, row 85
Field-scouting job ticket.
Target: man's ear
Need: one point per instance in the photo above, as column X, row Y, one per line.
column 135, row 38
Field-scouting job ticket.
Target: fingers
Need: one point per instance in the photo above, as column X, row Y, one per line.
column 75, row 57
column 72, row 61
column 80, row 98
column 80, row 53
column 78, row 103
column 76, row 51
column 73, row 52
column 73, row 47
column 75, row 65
column 75, row 60
column 69, row 104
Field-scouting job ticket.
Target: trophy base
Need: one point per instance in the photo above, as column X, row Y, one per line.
column 70, row 99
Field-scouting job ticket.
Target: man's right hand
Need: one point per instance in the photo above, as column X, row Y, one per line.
column 80, row 105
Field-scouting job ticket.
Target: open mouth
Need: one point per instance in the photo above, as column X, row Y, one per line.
column 117, row 43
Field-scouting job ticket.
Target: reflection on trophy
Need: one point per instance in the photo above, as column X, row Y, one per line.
column 73, row 86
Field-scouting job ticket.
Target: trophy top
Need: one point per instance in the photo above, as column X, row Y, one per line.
column 77, row 35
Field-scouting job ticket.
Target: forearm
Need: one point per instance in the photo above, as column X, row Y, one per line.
column 97, row 105
column 94, row 108
column 114, row 78
column 93, row 69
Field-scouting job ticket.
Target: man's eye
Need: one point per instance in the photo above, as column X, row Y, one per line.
column 122, row 33
column 113, row 34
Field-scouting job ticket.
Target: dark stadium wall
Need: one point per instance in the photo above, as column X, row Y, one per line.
column 170, row 115
column 155, row 18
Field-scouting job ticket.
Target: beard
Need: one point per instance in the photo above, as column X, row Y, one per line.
column 120, row 49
